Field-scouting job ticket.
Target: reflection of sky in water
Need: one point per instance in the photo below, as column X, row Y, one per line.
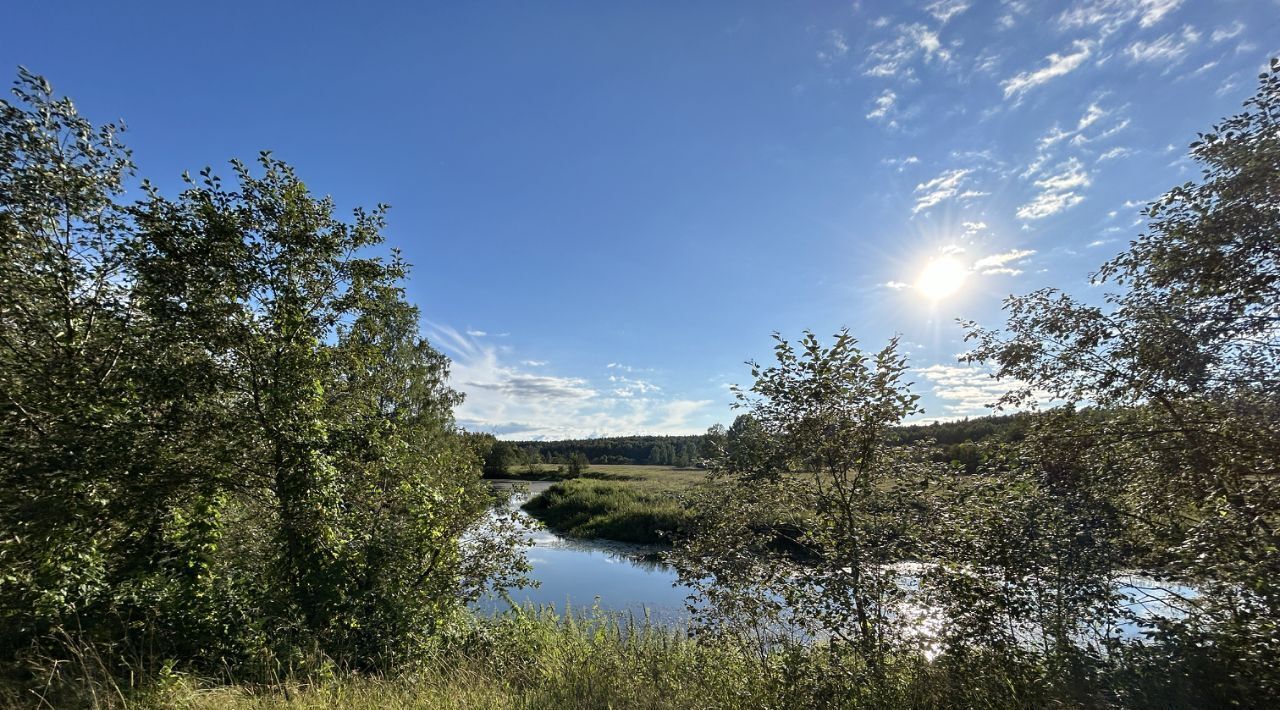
column 584, row 573
column 618, row 577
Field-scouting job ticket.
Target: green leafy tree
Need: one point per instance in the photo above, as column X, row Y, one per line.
column 502, row 457
column 797, row 531
column 682, row 457
column 1025, row 559
column 222, row 437
column 1182, row 362
column 67, row 411
column 335, row 412
column 260, row 279
column 577, row 464
column 746, row 445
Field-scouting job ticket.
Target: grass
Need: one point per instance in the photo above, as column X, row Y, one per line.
column 638, row 504
column 666, row 478
column 523, row 659
column 536, row 659
column 612, row 510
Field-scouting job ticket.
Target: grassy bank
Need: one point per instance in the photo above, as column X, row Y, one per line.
column 538, row 660
column 613, row 510
column 637, row 504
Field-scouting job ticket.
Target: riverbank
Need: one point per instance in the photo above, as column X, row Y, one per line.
column 632, row 504
column 609, row 510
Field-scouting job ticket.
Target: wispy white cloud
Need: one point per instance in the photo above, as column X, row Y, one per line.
column 901, row 163
column 895, row 285
column 631, row 386
column 893, row 57
column 885, row 103
column 1225, row 33
column 946, row 186
column 1000, row 263
column 1116, row 152
column 1056, row 65
column 477, row 367
column 1058, row 191
column 1082, row 138
column 944, row 10
column 1108, row 16
column 1169, row 49
column 1002, row 259
column 837, row 46
column 1154, row 10
column 968, row 391
column 1207, row 66
column 1080, row 135
column 1228, row 85
column 1090, row 117
column 508, row 400
column 1013, row 9
column 1056, row 135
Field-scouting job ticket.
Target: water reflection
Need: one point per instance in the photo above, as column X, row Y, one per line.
column 572, row 573
column 627, row 578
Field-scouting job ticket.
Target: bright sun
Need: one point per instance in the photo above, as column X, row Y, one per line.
column 941, row 278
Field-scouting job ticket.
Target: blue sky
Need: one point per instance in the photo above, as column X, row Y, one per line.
column 610, row 206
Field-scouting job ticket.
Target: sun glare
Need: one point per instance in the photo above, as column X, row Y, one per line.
column 942, row 277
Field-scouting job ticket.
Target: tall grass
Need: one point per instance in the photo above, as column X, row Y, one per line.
column 523, row 659
column 539, row 659
column 610, row 510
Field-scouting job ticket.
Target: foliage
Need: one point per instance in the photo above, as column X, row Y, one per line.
column 221, row 436
column 501, row 457
column 1026, row 557
column 64, row 359
column 577, row 464
column 809, row 504
column 1183, row 364
column 652, row 450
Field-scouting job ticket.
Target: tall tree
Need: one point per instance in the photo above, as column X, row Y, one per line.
column 799, row 533
column 220, row 428
column 1184, row 359
column 66, row 406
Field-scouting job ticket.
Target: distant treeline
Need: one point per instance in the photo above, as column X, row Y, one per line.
column 962, row 442
column 653, row 450
column 956, row 441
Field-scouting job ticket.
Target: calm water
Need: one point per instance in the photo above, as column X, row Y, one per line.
column 618, row 577
column 583, row 573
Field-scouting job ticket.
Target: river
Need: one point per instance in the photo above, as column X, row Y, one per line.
column 619, row 577
column 580, row 574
